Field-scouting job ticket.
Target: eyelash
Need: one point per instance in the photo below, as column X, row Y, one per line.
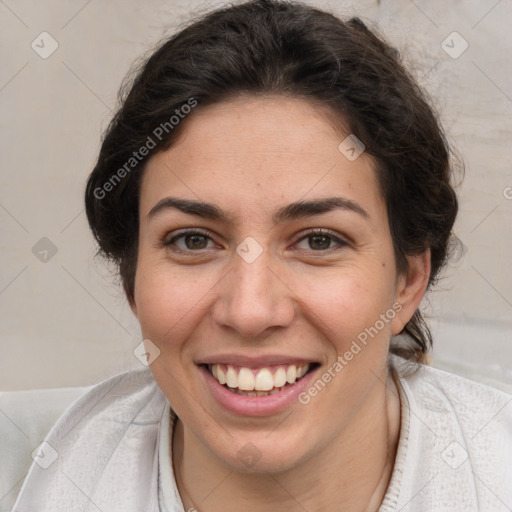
column 327, row 233
column 315, row 232
column 182, row 234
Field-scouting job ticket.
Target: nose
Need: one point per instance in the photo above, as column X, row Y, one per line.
column 253, row 300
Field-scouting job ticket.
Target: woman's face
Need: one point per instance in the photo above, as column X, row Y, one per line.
column 265, row 252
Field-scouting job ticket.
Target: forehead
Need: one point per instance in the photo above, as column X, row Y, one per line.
column 260, row 152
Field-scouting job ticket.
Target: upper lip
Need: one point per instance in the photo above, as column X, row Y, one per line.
column 254, row 362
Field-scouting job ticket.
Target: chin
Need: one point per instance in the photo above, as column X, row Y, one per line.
column 264, row 452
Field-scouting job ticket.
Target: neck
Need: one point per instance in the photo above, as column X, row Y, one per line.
column 351, row 473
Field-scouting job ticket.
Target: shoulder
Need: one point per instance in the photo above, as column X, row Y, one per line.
column 124, row 398
column 459, row 441
column 478, row 408
column 102, row 446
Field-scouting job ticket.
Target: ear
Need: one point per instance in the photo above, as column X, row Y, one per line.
column 411, row 287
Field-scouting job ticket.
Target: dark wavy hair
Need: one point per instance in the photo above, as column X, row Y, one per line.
column 284, row 48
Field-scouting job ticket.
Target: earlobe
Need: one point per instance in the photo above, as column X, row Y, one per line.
column 411, row 288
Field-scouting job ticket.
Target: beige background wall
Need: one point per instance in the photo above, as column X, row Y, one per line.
column 64, row 322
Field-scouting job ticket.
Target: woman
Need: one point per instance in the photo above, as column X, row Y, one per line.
column 275, row 190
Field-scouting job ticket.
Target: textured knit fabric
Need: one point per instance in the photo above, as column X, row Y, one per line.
column 113, row 447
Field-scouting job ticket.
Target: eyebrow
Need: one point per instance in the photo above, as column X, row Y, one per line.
column 299, row 209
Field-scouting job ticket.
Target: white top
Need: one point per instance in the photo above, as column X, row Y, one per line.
column 110, row 450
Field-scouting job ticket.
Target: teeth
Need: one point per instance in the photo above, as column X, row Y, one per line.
column 301, row 371
column 231, row 377
column 264, row 380
column 291, row 374
column 280, row 377
column 258, row 383
column 246, row 380
column 219, row 374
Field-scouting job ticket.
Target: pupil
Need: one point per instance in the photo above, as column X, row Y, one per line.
column 318, row 242
column 196, row 241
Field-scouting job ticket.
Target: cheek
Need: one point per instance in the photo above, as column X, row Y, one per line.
column 353, row 313
column 170, row 304
column 170, row 300
column 345, row 302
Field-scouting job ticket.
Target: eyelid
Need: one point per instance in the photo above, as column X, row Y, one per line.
column 340, row 239
column 169, row 238
column 321, row 231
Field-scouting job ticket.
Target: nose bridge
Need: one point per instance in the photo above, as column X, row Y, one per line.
column 253, row 298
column 253, row 280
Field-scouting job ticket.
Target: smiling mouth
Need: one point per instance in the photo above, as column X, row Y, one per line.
column 259, row 382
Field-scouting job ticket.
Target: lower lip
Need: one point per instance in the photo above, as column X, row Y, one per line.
column 256, row 405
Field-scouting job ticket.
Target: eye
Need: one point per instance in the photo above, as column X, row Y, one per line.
column 320, row 240
column 192, row 240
